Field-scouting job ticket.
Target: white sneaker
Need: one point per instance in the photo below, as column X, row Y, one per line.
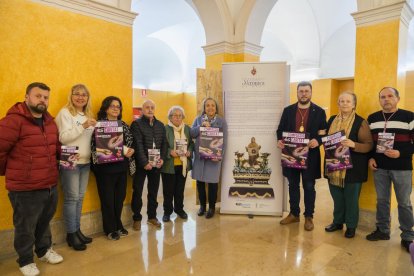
column 51, row 257
column 29, row 270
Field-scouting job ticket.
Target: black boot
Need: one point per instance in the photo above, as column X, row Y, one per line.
column 84, row 239
column 201, row 211
column 210, row 212
column 202, row 196
column 73, row 241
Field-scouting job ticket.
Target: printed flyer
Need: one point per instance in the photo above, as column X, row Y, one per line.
column 153, row 156
column 211, row 143
column 295, row 152
column 181, row 146
column 337, row 156
column 385, row 142
column 68, row 157
column 109, row 140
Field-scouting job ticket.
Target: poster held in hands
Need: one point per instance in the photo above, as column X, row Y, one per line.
column 68, row 157
column 109, row 140
column 211, row 143
column 153, row 156
column 337, row 156
column 181, row 147
column 385, row 142
column 295, row 152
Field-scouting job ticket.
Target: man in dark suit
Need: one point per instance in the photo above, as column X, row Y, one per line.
column 303, row 116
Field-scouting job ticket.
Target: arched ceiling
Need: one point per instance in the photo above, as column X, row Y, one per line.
column 167, row 40
column 316, row 37
column 311, row 35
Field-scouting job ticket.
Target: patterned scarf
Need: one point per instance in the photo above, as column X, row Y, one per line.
column 211, row 121
column 337, row 178
column 179, row 134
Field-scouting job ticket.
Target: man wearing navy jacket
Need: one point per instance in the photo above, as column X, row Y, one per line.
column 393, row 165
column 303, row 116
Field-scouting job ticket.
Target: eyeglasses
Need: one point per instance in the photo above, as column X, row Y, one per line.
column 177, row 115
column 80, row 95
column 115, row 107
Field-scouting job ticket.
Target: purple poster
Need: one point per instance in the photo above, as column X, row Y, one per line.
column 68, row 157
column 211, row 143
column 109, row 141
column 385, row 141
column 295, row 152
column 337, row 156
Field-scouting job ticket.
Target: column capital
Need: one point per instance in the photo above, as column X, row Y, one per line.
column 232, row 48
column 400, row 10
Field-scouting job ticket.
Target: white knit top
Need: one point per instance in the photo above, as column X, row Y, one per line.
column 72, row 133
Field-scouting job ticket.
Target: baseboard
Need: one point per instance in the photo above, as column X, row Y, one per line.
column 91, row 223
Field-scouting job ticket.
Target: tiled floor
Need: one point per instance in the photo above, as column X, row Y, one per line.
column 232, row 245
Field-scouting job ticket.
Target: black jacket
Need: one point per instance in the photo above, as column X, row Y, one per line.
column 316, row 127
column 145, row 135
column 359, row 171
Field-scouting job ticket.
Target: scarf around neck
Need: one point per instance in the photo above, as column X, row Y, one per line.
column 211, row 121
column 337, row 178
column 179, row 134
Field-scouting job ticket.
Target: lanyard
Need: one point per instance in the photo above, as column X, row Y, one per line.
column 386, row 120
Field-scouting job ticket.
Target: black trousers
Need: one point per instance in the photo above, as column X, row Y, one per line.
column 173, row 190
column 153, row 185
column 112, row 192
column 212, row 194
column 32, row 213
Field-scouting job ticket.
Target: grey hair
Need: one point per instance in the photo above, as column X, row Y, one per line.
column 148, row 101
column 175, row 108
column 354, row 97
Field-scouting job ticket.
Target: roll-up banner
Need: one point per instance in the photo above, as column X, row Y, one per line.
column 254, row 95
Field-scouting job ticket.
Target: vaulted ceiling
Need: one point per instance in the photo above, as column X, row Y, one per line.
column 316, row 37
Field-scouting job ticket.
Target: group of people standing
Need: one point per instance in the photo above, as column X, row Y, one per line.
column 392, row 167
column 30, row 143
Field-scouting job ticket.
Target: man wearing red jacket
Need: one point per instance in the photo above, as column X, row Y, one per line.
column 28, row 150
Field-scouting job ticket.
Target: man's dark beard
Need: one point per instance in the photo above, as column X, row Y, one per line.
column 40, row 108
column 306, row 102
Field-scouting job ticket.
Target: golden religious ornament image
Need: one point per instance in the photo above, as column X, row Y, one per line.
column 251, row 173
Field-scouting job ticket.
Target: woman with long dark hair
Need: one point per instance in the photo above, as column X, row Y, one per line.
column 111, row 178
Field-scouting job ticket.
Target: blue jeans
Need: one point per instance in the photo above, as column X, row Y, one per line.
column 402, row 186
column 294, row 194
column 74, row 183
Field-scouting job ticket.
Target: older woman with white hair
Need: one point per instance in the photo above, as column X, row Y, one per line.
column 345, row 185
column 177, row 163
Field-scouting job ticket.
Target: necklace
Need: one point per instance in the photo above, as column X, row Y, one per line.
column 386, row 120
column 302, row 128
